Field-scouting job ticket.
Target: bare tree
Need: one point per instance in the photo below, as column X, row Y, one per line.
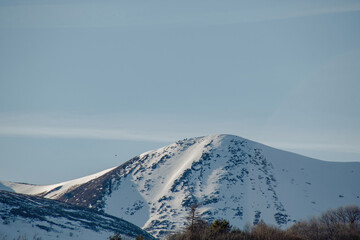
column 342, row 223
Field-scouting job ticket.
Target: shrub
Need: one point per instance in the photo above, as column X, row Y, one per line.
column 340, row 224
column 140, row 237
column 220, row 226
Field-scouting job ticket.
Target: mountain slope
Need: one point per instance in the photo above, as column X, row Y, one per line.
column 24, row 215
column 53, row 191
column 230, row 177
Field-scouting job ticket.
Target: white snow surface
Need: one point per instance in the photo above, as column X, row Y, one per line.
column 22, row 229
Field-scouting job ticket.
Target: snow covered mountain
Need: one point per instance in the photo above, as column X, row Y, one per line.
column 38, row 218
column 228, row 176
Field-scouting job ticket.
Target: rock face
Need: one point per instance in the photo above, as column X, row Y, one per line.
column 38, row 218
column 228, row 176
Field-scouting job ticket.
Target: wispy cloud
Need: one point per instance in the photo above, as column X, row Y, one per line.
column 110, row 127
column 82, row 133
column 166, row 129
column 296, row 146
column 131, row 135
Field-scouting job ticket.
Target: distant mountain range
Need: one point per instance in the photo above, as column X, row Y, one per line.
column 228, row 176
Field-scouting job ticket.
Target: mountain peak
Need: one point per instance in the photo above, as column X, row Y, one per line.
column 228, row 176
column 222, row 137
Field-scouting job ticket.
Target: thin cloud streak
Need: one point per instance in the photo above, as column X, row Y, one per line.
column 82, row 133
column 315, row 146
column 166, row 129
column 117, row 134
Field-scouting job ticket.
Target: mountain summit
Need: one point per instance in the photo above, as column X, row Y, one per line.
column 228, row 176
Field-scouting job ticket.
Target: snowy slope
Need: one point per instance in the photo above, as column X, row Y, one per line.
column 230, row 177
column 39, row 218
column 53, row 191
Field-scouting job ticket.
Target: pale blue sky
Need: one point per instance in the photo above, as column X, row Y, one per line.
column 83, row 81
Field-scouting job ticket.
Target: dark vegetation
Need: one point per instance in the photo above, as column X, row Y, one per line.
column 340, row 224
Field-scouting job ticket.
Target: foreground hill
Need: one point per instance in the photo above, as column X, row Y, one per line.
column 39, row 218
column 228, row 176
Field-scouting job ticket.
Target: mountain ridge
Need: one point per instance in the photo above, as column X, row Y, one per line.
column 229, row 176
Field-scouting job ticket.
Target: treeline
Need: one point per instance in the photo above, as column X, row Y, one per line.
column 340, row 224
